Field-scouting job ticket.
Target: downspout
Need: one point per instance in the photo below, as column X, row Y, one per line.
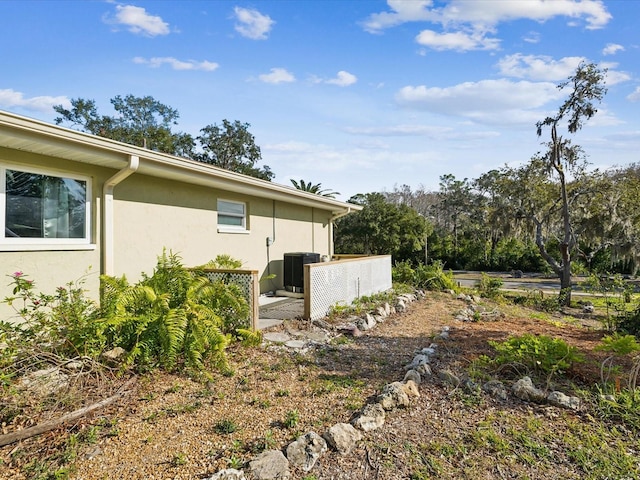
column 107, row 223
column 331, row 220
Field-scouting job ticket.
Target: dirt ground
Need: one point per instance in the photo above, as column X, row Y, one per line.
column 172, row 427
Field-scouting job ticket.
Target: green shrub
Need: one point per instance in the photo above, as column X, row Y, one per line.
column 428, row 277
column 539, row 353
column 173, row 317
column 489, row 287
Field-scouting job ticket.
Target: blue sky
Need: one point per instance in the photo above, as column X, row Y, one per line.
column 357, row 95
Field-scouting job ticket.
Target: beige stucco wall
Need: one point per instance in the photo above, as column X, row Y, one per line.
column 153, row 214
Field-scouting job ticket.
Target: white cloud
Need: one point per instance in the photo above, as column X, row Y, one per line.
column 277, row 75
column 11, row 99
column 485, row 14
column 488, row 101
column 343, row 79
column 538, row 67
column 532, row 37
column 612, row 49
column 252, row 24
column 401, row 12
column 633, row 97
column 138, row 21
column 460, row 41
column 175, row 64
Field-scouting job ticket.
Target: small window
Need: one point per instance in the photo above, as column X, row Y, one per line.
column 232, row 216
column 44, row 208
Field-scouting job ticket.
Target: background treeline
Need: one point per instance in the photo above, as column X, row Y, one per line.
column 490, row 223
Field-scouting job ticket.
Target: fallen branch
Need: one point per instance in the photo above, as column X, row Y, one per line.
column 53, row 424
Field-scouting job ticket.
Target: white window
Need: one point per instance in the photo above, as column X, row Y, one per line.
column 232, row 216
column 44, row 208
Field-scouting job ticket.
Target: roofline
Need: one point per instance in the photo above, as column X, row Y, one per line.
column 116, row 155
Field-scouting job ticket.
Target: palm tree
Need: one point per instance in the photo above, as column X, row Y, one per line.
column 311, row 188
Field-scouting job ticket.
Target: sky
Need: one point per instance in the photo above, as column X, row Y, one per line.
column 358, row 95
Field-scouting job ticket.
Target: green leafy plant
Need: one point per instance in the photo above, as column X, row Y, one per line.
column 489, row 287
column 428, row 277
column 173, row 317
column 539, row 353
column 226, row 427
column 619, row 346
column 615, row 292
column 292, row 419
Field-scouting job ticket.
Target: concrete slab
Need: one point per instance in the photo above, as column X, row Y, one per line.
column 277, row 337
column 264, row 323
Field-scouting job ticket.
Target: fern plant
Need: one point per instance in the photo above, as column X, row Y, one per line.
column 172, row 318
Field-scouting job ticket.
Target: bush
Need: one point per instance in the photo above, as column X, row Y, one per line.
column 428, row 277
column 539, row 353
column 173, row 317
column 489, row 287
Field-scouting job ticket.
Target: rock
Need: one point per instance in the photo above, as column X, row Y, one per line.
column 322, row 324
column 114, row 355
column 496, row 389
column 470, row 387
column 270, row 465
column 297, row 344
column 45, row 382
column 448, row 377
column 401, row 306
column 227, row 474
column 394, row 395
column 382, row 312
column 412, row 375
column 559, row 399
column 525, row 390
column 370, row 418
column 428, row 351
column 387, row 308
column 306, row 450
column 411, row 388
column 276, row 337
column 424, row 370
column 366, row 323
column 343, row 437
column 350, row 329
column 418, row 360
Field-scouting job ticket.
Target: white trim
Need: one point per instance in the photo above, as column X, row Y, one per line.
column 45, row 247
column 233, row 230
column 36, row 243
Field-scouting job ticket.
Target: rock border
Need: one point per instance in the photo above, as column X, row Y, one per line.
column 304, row 452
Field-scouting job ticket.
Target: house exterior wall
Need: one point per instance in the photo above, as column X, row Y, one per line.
column 152, row 214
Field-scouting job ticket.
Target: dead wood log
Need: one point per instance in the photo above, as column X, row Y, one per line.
column 10, row 438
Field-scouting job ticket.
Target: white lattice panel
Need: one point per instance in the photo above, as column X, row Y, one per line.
column 243, row 279
column 342, row 282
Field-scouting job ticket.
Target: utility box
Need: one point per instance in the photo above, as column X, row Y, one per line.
column 294, row 269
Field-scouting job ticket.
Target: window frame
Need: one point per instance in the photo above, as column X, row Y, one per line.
column 225, row 228
column 43, row 243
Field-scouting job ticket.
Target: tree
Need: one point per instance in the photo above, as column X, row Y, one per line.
column 563, row 158
column 382, row 228
column 314, row 188
column 231, row 146
column 140, row 121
